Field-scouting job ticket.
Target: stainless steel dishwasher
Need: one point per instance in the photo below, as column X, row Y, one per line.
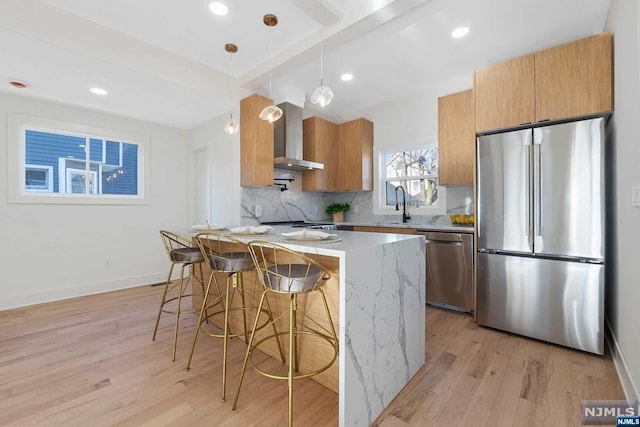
column 450, row 270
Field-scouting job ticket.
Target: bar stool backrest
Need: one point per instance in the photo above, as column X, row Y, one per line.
column 224, row 253
column 284, row 270
column 179, row 249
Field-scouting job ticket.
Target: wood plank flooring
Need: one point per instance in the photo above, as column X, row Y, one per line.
column 90, row 361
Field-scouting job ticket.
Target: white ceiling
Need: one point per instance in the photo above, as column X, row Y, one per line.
column 164, row 60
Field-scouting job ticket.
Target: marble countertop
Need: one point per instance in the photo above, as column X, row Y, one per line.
column 347, row 240
column 420, row 227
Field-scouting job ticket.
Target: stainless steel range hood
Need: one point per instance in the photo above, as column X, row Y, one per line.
column 287, row 144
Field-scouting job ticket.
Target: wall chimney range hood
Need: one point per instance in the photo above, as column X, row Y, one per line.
column 287, row 144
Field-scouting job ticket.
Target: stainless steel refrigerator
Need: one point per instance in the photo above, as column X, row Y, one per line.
column 541, row 231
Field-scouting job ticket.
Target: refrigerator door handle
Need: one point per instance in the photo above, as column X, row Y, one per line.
column 527, row 162
column 537, row 190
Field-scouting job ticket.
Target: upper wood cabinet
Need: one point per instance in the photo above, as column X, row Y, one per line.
column 256, row 143
column 320, row 140
column 574, row 79
column 504, row 94
column 570, row 80
column 355, row 156
column 456, row 138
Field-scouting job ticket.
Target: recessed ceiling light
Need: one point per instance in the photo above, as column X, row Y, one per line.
column 19, row 84
column 460, row 32
column 218, row 8
column 98, row 91
column 346, row 77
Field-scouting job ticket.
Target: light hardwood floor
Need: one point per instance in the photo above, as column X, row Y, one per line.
column 90, row 361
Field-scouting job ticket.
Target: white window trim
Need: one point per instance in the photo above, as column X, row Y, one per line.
column 69, row 176
column 379, row 206
column 16, row 159
column 49, row 170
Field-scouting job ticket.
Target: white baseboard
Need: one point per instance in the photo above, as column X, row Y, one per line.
column 629, row 388
column 22, row 300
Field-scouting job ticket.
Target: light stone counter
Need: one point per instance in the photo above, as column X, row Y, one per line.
column 381, row 315
column 417, row 226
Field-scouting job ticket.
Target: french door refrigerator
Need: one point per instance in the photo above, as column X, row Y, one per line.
column 541, row 219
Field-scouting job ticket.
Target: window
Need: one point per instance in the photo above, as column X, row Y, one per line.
column 414, row 172
column 38, row 178
column 59, row 162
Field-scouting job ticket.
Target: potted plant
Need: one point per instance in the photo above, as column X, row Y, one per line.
column 337, row 210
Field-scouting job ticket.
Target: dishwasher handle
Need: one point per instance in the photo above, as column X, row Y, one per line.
column 445, row 242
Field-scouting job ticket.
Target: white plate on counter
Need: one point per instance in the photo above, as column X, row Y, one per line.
column 250, row 230
column 311, row 240
column 207, row 227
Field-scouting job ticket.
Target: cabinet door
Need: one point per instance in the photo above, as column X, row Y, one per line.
column 320, row 145
column 504, row 94
column 355, row 156
column 574, row 79
column 456, row 138
column 256, row 143
column 395, row 230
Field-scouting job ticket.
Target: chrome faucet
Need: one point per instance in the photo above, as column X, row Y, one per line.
column 405, row 215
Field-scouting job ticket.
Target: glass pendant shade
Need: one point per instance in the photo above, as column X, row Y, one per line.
column 231, row 126
column 271, row 113
column 322, row 95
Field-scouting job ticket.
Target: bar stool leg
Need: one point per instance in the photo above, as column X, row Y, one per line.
column 230, row 279
column 244, row 307
column 293, row 358
column 248, row 353
column 203, row 310
column 164, row 296
column 203, row 290
column 175, row 332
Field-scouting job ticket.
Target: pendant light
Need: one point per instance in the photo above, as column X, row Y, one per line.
column 231, row 126
column 323, row 94
column 271, row 113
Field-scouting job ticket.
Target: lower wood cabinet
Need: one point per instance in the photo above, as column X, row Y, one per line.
column 395, row 230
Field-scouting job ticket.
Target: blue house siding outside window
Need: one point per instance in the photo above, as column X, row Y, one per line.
column 56, row 160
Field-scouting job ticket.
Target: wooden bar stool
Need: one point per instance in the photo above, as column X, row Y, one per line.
column 288, row 273
column 180, row 252
column 231, row 257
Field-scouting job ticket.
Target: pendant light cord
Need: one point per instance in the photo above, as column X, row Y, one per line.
column 321, row 52
column 318, row 4
column 231, row 82
column 270, row 61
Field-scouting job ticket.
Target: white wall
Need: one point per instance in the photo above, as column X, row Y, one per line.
column 50, row 252
column 623, row 294
column 223, row 151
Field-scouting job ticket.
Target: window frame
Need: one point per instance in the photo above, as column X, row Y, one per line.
column 48, row 188
column 380, row 207
column 18, row 124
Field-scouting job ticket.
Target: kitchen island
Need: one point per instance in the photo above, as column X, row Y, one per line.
column 376, row 296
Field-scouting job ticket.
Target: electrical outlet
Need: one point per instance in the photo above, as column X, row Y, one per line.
column 258, row 211
column 315, row 209
column 356, row 209
column 635, row 196
column 107, row 263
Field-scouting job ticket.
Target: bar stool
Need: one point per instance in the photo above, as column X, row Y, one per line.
column 286, row 272
column 231, row 257
column 180, row 252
